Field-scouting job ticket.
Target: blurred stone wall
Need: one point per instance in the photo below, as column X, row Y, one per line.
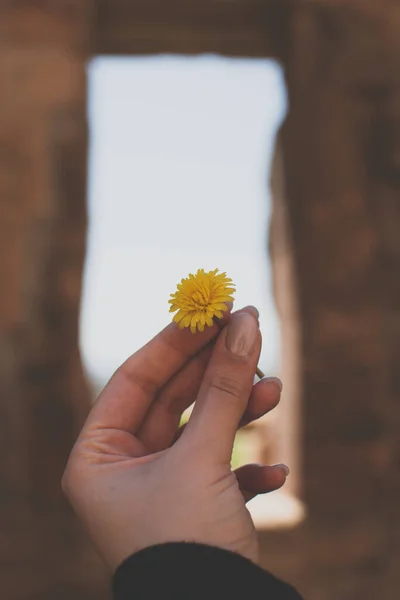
column 340, row 147
column 43, row 395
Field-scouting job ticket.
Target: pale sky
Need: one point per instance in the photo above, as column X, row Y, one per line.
column 180, row 155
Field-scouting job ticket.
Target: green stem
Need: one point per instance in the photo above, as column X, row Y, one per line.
column 259, row 373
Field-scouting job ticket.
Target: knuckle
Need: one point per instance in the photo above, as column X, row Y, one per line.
column 229, row 385
column 130, row 376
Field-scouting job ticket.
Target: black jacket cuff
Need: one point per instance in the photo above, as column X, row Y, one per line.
column 186, row 571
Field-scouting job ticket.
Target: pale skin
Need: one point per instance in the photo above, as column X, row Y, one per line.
column 135, row 480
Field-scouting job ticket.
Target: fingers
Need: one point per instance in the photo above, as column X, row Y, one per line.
column 160, row 427
column 264, row 397
column 126, row 399
column 259, row 479
column 162, row 421
column 225, row 389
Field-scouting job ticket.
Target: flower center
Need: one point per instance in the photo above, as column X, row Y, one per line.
column 201, row 300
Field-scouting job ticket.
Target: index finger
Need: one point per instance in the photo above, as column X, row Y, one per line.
column 125, row 400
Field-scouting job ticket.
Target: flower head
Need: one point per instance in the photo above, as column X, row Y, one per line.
column 201, row 297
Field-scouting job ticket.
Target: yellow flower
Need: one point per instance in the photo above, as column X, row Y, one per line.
column 201, row 297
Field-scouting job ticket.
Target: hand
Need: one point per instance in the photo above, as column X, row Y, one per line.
column 135, row 482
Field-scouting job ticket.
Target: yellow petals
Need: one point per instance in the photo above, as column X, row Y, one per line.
column 201, row 297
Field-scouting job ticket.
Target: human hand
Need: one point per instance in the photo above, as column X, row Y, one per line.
column 135, row 481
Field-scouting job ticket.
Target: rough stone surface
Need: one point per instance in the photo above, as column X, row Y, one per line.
column 341, row 167
column 44, row 397
column 228, row 27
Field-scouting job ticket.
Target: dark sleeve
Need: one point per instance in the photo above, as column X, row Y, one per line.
column 186, row 571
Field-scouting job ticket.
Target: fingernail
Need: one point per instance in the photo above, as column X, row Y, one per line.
column 242, row 334
column 226, row 312
column 252, row 310
column 284, row 468
column 275, row 380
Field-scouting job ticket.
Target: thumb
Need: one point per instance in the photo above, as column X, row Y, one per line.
column 225, row 389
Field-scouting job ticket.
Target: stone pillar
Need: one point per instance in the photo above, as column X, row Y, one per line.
column 341, row 160
column 43, row 394
column 288, row 440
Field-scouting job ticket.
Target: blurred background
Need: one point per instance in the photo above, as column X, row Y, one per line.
column 140, row 141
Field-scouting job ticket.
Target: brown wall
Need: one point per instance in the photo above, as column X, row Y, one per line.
column 341, row 166
column 43, row 395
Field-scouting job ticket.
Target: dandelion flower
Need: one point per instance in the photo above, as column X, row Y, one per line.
column 201, row 297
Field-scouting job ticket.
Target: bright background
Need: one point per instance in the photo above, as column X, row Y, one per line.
column 179, row 167
column 179, row 170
